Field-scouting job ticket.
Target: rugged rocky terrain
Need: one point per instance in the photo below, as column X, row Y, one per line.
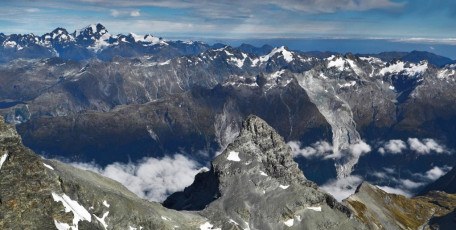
column 253, row 184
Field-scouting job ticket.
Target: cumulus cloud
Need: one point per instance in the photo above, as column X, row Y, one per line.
column 435, row 173
column 323, row 149
column 151, row 178
column 425, row 146
column 317, row 149
column 432, row 174
column 393, row 146
column 359, row 148
column 114, row 13
column 135, row 13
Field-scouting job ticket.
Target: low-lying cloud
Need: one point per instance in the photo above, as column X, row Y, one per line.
column 316, row 150
column 324, row 150
column 151, row 178
column 422, row 147
column 342, row 188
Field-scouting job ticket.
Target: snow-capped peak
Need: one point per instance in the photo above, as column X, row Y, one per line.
column 92, row 29
column 287, row 55
column 145, row 39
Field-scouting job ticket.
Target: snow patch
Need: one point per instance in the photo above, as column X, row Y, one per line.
column 348, row 84
column 48, row 166
column 287, row 55
column 79, row 212
column 317, row 209
column 289, row 222
column 263, row 174
column 3, row 159
column 61, row 226
column 284, row 186
column 233, row 156
column 338, row 63
column 208, row 226
column 102, row 220
column 105, row 203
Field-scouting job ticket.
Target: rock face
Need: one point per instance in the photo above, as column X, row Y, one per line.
column 47, row 194
column 255, row 184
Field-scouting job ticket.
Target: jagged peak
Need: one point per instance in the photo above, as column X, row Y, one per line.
column 258, row 144
column 91, row 30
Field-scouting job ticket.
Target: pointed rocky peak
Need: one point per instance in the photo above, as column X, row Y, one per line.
column 255, row 184
column 258, row 148
column 96, row 30
column 281, row 53
column 59, row 31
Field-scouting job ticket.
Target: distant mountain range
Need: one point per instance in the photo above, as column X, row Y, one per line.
column 94, row 41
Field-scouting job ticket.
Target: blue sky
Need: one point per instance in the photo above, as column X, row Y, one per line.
column 415, row 21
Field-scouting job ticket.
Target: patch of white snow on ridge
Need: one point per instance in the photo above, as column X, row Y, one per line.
column 391, row 87
column 105, row 203
column 48, row 166
column 411, row 70
column 338, row 63
column 263, row 174
column 238, row 62
column 61, row 226
column 102, row 220
column 352, row 83
column 233, row 156
column 208, row 226
column 289, row 222
column 317, row 209
column 284, row 186
column 3, row 159
column 165, row 218
column 287, row 55
column 79, row 212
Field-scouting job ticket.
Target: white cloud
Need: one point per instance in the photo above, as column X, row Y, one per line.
column 359, row 148
column 323, row 149
column 394, row 147
column 426, row 146
column 317, row 149
column 151, row 178
column 114, row 13
column 408, row 184
column 32, row 10
column 342, row 188
column 436, row 172
column 135, row 13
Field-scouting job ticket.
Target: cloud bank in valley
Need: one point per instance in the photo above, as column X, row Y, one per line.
column 151, row 178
